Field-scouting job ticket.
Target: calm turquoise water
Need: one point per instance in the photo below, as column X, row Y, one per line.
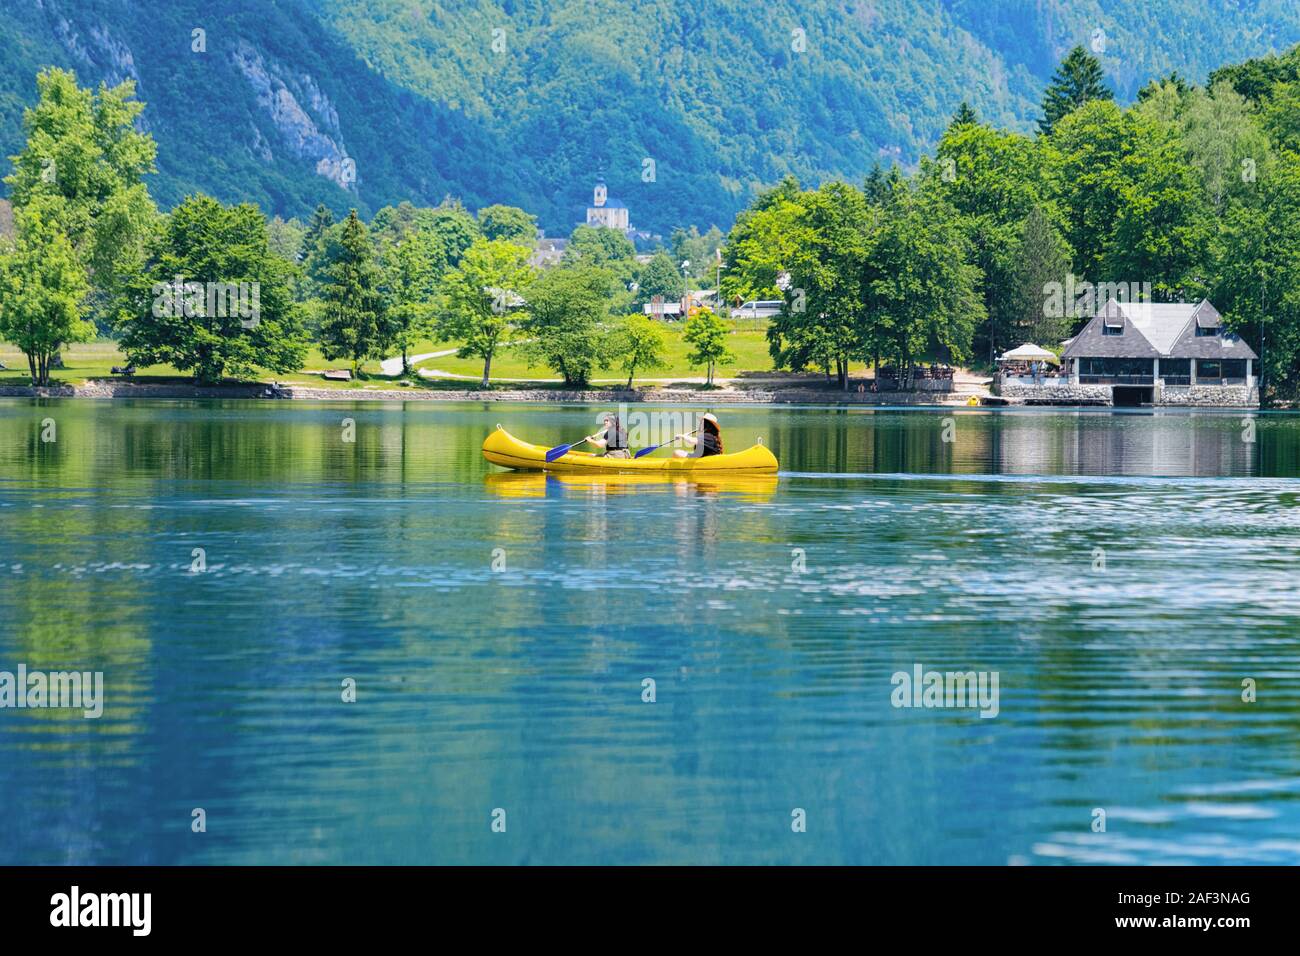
column 1122, row 574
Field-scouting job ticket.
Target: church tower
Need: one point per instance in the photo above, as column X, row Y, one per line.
column 605, row 210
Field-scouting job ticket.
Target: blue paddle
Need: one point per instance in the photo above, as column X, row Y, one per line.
column 645, row 451
column 559, row 451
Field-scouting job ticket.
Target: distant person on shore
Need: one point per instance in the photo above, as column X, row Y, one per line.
column 612, row 438
column 709, row 441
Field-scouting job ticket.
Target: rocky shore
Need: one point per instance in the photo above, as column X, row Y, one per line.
column 102, row 389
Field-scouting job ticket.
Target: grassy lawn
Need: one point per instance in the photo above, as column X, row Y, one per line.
column 748, row 346
column 82, row 361
column 747, row 342
column 89, row 360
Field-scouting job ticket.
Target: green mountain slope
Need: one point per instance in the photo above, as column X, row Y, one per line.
column 686, row 106
column 267, row 104
column 725, row 95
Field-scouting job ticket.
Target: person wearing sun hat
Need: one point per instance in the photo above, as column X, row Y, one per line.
column 709, row 441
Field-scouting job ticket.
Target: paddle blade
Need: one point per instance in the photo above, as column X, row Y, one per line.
column 559, row 451
column 645, row 451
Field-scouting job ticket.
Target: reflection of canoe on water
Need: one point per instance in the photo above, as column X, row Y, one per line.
column 503, row 448
column 534, row 484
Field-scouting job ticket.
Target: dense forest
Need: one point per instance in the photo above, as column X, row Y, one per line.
column 1191, row 192
column 255, row 101
column 221, row 292
column 524, row 102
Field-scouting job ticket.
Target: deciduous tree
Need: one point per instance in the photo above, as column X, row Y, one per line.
column 706, row 334
column 568, row 313
column 660, row 277
column 507, row 222
column 640, row 345
column 84, row 160
column 212, row 298
column 43, row 288
column 482, row 299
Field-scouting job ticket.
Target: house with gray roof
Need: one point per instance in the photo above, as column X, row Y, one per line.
column 1149, row 353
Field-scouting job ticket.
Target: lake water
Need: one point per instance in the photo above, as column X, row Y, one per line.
column 1122, row 574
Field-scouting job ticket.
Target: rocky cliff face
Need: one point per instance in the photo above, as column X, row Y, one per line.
column 252, row 100
column 368, row 102
column 91, row 43
column 302, row 121
column 305, row 119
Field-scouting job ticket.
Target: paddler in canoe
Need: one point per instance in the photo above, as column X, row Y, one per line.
column 708, row 443
column 612, row 439
column 706, row 453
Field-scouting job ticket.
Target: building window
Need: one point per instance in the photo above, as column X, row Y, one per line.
column 1112, row 330
column 1115, row 371
column 1204, row 332
column 1176, row 371
column 1226, row 370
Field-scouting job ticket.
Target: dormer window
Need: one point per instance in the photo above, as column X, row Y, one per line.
column 1117, row 329
column 1206, row 331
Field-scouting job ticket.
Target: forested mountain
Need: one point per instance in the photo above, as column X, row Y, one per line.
column 686, row 107
column 265, row 103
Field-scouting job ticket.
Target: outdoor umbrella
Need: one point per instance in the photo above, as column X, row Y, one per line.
column 1029, row 353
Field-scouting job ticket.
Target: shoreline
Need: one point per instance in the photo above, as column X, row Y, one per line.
column 101, row 390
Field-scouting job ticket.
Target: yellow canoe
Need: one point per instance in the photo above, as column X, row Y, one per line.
column 503, row 448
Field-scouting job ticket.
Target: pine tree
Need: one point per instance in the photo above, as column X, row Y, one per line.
column 1076, row 81
column 965, row 116
column 881, row 184
column 1042, row 258
column 356, row 323
column 320, row 222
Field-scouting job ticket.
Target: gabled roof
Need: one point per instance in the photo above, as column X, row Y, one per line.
column 1222, row 346
column 1090, row 341
column 1160, row 323
column 1156, row 330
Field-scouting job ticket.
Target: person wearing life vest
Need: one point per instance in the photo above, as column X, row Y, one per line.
column 709, row 441
column 612, row 438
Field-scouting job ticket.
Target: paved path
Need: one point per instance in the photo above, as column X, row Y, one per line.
column 965, row 382
column 392, row 367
